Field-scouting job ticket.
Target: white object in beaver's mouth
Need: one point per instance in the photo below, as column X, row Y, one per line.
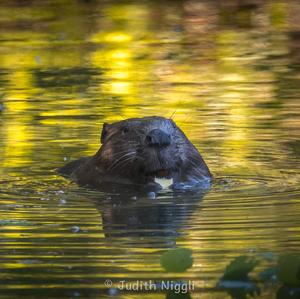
column 164, row 182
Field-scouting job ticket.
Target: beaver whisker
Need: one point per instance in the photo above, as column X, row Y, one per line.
column 106, row 154
column 120, row 153
column 126, row 161
column 196, row 167
column 190, row 160
column 120, row 159
column 123, row 165
column 120, row 156
column 122, row 150
column 119, row 167
column 117, row 154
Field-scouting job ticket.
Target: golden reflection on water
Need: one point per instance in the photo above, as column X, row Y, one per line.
column 227, row 73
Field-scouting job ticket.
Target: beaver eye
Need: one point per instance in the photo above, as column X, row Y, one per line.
column 125, row 130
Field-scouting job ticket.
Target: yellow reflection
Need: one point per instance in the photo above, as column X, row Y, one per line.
column 119, row 74
column 21, row 80
column 113, row 37
column 17, row 145
column 236, row 99
column 118, row 88
column 119, row 54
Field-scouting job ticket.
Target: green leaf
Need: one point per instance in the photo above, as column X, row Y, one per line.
column 176, row 260
column 289, row 270
column 239, row 268
column 174, row 295
column 269, row 274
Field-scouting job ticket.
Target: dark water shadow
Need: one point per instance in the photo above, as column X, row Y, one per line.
column 162, row 218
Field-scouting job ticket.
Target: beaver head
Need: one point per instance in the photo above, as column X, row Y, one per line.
column 141, row 149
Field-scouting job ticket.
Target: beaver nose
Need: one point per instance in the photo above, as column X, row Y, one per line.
column 158, row 138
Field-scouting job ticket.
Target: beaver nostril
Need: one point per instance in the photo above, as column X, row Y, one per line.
column 158, row 138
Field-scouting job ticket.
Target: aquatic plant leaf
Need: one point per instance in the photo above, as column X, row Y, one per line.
column 176, row 260
column 269, row 274
column 239, row 268
column 289, row 270
column 174, row 295
column 239, row 289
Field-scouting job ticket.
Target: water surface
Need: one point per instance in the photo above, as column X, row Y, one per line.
column 229, row 77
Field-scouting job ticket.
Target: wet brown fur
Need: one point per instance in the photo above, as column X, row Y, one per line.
column 126, row 158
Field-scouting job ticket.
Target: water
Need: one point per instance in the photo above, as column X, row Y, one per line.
column 229, row 75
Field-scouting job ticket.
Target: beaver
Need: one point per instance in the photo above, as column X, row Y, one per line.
column 136, row 151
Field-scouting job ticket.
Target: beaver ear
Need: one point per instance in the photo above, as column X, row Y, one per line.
column 104, row 132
